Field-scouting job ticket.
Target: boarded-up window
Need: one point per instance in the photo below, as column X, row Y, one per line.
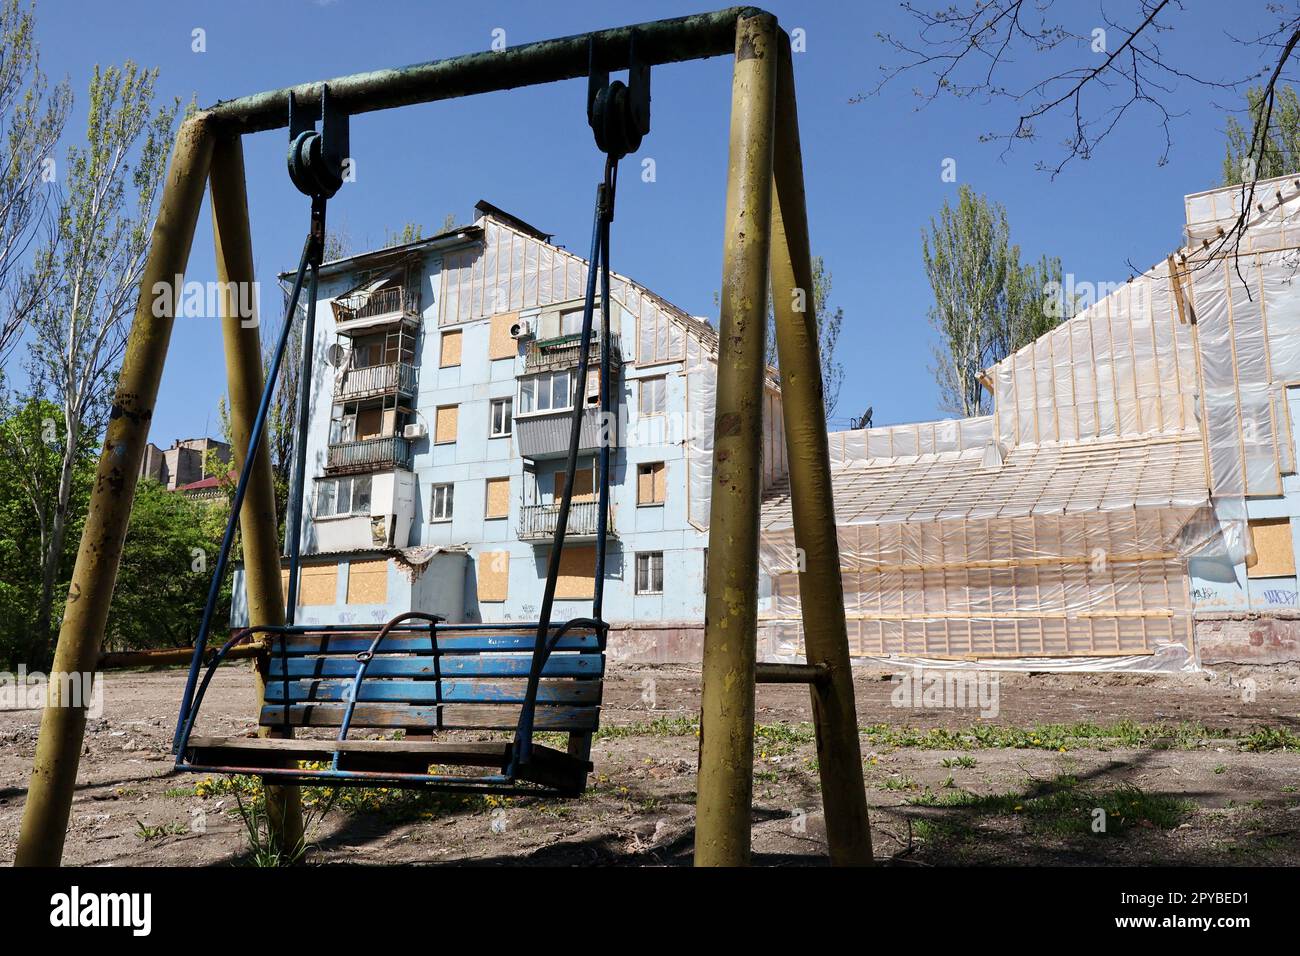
column 368, row 582
column 1274, row 556
column 493, row 575
column 498, row 498
column 370, row 422
column 584, row 485
column 317, row 584
column 501, row 344
column 650, row 483
column 450, row 349
column 577, row 573
column 444, row 429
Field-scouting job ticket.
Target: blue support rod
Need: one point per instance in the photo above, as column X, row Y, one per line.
column 293, row 516
column 227, row 540
column 608, row 428
column 524, row 732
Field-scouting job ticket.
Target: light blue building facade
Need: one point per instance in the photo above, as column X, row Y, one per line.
column 444, row 379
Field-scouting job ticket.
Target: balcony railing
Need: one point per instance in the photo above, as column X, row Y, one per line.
column 537, row 522
column 373, row 454
column 390, row 299
column 565, row 351
column 360, row 383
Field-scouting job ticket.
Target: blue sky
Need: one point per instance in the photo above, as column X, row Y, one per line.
column 872, row 168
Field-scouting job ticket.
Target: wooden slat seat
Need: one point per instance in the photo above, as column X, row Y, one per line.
column 457, row 679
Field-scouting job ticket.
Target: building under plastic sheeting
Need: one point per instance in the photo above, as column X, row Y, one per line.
column 1131, row 496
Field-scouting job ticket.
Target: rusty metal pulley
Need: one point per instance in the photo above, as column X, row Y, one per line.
column 317, row 159
column 618, row 112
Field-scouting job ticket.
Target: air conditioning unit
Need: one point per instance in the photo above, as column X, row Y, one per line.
column 523, row 329
column 414, row 431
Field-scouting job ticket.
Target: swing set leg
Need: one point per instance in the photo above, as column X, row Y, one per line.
column 726, row 776
column 767, row 224
column 257, row 520
column 63, row 723
column 826, row 642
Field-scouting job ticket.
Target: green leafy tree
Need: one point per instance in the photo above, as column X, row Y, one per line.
column 410, row 232
column 78, row 333
column 31, row 460
column 32, row 118
column 829, row 322
column 987, row 304
column 1276, row 150
column 162, row 585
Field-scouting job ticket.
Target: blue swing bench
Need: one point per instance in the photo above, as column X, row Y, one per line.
column 420, row 676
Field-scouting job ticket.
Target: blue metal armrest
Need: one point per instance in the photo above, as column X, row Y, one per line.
column 365, row 657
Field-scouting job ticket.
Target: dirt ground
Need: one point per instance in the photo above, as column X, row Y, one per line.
column 1073, row 769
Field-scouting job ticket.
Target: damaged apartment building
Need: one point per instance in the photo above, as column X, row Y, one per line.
column 1129, row 503
column 445, row 377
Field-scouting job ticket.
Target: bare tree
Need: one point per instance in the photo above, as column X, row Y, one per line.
column 1089, row 83
column 32, row 118
column 829, row 322
column 78, row 331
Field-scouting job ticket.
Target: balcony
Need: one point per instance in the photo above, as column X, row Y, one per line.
column 376, row 381
column 373, row 454
column 537, row 522
column 546, row 435
column 369, row 310
column 564, row 352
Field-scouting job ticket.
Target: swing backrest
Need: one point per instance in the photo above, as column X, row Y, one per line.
column 466, row 678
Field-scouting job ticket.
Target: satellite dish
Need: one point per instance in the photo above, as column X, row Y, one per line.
column 334, row 354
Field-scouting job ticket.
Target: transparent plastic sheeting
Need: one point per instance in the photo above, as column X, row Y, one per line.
column 1098, row 585
column 1064, row 543
column 511, row 271
column 923, row 438
column 701, row 402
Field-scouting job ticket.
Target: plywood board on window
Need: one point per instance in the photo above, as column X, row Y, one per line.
column 577, row 573
column 370, row 422
column 584, row 485
column 493, row 575
column 651, row 487
column 368, row 582
column 1274, row 555
column 317, row 584
column 501, row 345
column 498, row 498
column 450, row 348
column 445, row 419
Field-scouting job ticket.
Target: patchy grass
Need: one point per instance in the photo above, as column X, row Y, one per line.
column 1059, row 737
column 390, row 803
column 1060, row 807
column 1270, row 738
column 779, row 737
column 149, row 832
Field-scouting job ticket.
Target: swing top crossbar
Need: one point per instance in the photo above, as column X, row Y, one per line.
column 676, row 40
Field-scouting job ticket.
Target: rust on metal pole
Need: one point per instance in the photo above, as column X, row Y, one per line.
column 63, row 724
column 725, row 784
column 660, row 41
column 167, row 656
column 821, row 590
column 258, row 526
